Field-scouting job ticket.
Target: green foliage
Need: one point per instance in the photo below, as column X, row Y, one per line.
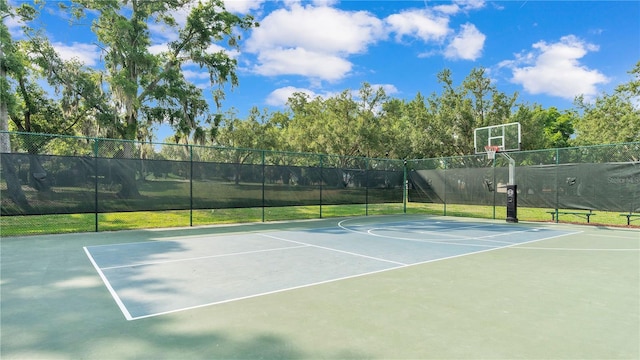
column 611, row 118
column 77, row 99
column 140, row 87
column 149, row 87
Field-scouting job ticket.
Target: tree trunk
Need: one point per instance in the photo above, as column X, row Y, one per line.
column 38, row 177
column 14, row 189
column 126, row 173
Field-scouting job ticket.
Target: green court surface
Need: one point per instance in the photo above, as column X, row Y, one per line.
column 378, row 287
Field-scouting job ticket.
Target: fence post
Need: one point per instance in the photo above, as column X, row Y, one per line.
column 557, row 182
column 95, row 180
column 263, row 185
column 366, row 186
column 190, row 185
column 405, row 186
column 321, row 182
column 444, row 196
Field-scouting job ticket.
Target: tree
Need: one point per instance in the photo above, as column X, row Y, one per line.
column 558, row 127
column 452, row 119
column 75, row 95
column 458, row 111
column 10, row 63
column 611, row 118
column 308, row 129
column 424, row 136
column 145, row 87
column 370, row 137
column 243, row 137
column 397, row 129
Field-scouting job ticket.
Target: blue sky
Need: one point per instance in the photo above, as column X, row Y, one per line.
column 547, row 51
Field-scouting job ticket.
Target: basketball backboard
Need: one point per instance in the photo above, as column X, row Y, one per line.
column 506, row 136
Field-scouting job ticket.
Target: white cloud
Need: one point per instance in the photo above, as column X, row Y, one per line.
column 419, row 23
column 459, row 5
column 302, row 62
column 321, row 29
column 195, row 75
column 242, row 6
column 554, row 69
column 388, row 88
column 325, row 2
column 14, row 24
column 162, row 32
column 431, row 25
column 449, row 9
column 467, row 45
column 470, row 4
column 88, row 54
column 214, row 48
column 279, row 97
column 312, row 41
column 158, row 48
column 291, row 3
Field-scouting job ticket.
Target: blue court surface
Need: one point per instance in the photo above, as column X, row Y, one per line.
column 152, row 278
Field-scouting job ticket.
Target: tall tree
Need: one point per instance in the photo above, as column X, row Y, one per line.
column 370, row 136
column 147, row 87
column 459, row 110
column 453, row 118
column 72, row 97
column 613, row 118
column 396, row 129
column 308, row 129
column 152, row 87
column 425, row 135
column 10, row 64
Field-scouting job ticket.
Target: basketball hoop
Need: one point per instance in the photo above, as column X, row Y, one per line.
column 491, row 151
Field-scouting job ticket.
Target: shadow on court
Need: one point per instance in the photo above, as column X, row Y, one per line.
column 54, row 307
column 568, row 297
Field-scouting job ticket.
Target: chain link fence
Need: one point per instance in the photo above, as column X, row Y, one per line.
column 604, row 178
column 52, row 183
column 104, row 183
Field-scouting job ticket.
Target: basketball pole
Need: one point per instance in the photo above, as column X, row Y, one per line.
column 512, row 168
column 512, row 190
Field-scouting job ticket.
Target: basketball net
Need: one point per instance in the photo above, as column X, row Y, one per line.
column 491, row 151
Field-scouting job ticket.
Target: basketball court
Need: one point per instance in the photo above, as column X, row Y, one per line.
column 402, row 286
column 369, row 287
column 153, row 278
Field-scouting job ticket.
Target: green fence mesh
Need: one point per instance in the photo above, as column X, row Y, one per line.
column 102, row 182
column 605, row 177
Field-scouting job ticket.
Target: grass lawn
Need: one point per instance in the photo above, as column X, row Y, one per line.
column 72, row 223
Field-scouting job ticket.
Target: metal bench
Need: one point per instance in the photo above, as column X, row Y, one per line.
column 629, row 217
column 586, row 215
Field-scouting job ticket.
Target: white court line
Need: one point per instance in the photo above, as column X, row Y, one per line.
column 449, row 241
column 106, row 282
column 268, row 293
column 336, row 250
column 337, row 279
column 572, row 249
column 200, row 257
column 458, row 237
column 481, row 238
column 615, row 237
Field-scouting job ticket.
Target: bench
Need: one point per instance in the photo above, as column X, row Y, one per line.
column 629, row 217
column 586, row 215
